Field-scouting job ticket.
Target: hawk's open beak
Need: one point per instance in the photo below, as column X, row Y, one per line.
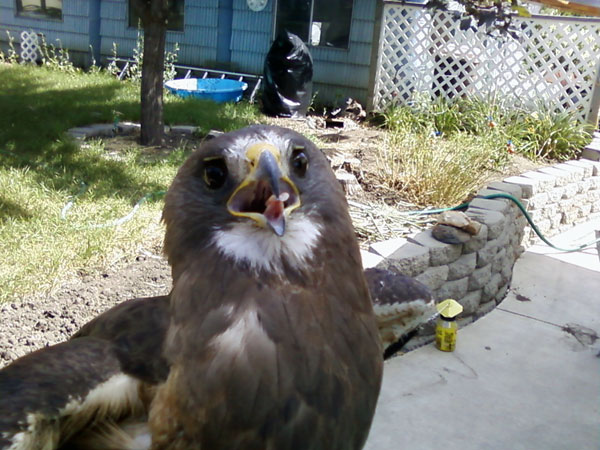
column 266, row 195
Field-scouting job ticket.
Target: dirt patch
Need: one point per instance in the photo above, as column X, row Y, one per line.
column 41, row 320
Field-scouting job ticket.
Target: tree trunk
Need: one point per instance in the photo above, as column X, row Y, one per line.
column 152, row 122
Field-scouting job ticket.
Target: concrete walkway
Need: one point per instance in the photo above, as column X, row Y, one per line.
column 517, row 379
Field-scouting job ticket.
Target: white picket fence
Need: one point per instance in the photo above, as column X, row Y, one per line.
column 422, row 51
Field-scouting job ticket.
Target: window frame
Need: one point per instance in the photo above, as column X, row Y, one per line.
column 311, row 21
column 42, row 14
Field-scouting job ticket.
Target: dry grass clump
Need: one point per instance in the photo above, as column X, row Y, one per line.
column 433, row 171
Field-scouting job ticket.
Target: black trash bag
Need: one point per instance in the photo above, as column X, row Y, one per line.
column 287, row 90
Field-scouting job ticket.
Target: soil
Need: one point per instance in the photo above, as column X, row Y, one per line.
column 41, row 319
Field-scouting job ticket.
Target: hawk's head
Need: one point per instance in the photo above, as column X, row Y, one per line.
column 263, row 196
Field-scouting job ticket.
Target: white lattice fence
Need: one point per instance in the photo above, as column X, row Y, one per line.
column 422, row 51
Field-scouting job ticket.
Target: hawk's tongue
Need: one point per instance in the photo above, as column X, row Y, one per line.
column 274, row 215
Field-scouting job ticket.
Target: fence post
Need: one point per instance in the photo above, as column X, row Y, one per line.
column 375, row 54
column 595, row 101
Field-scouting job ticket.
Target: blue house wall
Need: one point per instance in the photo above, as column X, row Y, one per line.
column 217, row 34
column 338, row 73
column 75, row 30
column 197, row 43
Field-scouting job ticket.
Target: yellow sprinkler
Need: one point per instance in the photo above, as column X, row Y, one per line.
column 446, row 327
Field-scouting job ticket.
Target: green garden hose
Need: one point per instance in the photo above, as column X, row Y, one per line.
column 116, row 222
column 522, row 208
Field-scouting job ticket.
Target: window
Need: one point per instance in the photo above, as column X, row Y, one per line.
column 40, row 8
column 317, row 22
column 174, row 21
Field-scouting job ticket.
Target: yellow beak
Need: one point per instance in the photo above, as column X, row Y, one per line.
column 266, row 195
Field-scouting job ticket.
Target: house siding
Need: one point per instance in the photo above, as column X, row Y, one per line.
column 335, row 70
column 251, row 36
column 197, row 42
column 73, row 30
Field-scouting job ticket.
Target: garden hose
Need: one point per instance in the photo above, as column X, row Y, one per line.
column 82, row 188
column 112, row 223
column 522, row 208
column 129, row 216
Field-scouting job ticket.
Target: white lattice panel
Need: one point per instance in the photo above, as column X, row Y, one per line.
column 29, row 46
column 422, row 51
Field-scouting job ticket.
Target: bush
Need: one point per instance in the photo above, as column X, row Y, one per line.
column 539, row 134
column 424, row 115
column 549, row 135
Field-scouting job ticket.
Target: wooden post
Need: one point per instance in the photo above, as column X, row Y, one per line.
column 595, row 102
column 375, row 56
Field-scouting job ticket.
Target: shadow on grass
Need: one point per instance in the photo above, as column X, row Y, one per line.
column 11, row 210
column 39, row 106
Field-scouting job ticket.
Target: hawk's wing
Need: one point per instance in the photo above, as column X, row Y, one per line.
column 49, row 395
column 401, row 305
column 52, row 394
column 137, row 329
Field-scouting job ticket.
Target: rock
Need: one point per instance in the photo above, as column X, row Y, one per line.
column 449, row 234
column 460, row 220
column 213, row 134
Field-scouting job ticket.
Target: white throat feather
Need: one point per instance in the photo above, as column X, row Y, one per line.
column 262, row 249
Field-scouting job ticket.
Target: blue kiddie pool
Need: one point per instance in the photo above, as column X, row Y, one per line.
column 217, row 89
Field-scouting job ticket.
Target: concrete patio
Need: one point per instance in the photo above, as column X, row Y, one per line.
column 526, row 376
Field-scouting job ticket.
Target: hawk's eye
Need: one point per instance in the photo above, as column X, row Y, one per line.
column 299, row 162
column 214, row 173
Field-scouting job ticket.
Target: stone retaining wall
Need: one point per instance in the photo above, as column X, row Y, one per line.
column 560, row 196
column 478, row 273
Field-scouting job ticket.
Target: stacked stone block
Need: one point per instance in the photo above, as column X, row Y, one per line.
column 477, row 274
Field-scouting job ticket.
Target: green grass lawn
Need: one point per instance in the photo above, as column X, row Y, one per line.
column 42, row 170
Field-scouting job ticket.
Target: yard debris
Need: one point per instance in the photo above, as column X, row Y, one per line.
column 339, row 159
column 315, row 122
column 374, row 222
column 349, row 182
column 350, row 110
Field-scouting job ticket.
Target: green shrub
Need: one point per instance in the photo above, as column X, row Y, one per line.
column 404, row 119
column 424, row 115
column 546, row 134
column 539, row 134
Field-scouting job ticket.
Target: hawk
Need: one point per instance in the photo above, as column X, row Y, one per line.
column 267, row 340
